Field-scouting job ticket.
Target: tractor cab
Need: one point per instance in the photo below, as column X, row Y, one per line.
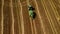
column 30, row 8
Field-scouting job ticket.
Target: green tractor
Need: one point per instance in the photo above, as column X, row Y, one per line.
column 31, row 12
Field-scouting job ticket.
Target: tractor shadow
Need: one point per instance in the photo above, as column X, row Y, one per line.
column 34, row 16
column 33, row 8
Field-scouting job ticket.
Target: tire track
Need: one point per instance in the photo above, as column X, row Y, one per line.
column 35, row 29
column 31, row 21
column 52, row 22
column 40, row 17
column 57, row 8
column 12, row 16
column 7, row 17
column 36, row 22
column 22, row 21
column 48, row 16
column 2, row 17
column 54, row 10
column 15, row 12
column 32, row 29
column 57, row 24
column 19, row 21
column 44, row 17
column 27, row 24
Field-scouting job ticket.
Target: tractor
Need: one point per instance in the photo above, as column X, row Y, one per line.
column 32, row 14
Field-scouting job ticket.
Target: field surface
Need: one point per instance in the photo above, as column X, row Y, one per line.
column 15, row 19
